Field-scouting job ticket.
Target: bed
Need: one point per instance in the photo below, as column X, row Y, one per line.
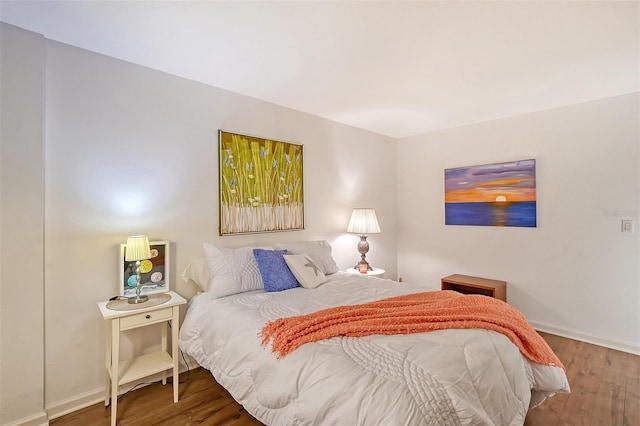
column 445, row 377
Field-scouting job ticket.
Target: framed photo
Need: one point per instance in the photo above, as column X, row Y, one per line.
column 499, row 194
column 261, row 185
column 154, row 272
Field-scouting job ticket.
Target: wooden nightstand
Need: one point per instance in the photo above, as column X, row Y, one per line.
column 121, row 372
column 475, row 285
column 376, row 272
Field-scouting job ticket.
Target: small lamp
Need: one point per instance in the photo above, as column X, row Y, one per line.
column 137, row 249
column 363, row 222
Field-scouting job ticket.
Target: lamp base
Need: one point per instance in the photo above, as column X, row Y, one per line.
column 138, row 299
column 358, row 265
column 363, row 249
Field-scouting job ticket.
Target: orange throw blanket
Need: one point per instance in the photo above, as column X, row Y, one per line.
column 412, row 313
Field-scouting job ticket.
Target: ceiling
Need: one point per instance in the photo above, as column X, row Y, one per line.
column 391, row 67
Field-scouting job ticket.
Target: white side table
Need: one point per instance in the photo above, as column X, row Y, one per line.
column 121, row 372
column 376, row 272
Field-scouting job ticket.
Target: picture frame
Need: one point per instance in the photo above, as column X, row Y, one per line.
column 155, row 273
column 498, row 194
column 261, row 185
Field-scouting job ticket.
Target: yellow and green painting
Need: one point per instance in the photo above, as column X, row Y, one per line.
column 500, row 194
column 261, row 186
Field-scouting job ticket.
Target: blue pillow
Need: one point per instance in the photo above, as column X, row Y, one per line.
column 276, row 275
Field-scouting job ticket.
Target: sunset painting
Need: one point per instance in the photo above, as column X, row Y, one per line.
column 501, row 194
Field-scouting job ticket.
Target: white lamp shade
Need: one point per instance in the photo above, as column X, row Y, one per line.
column 363, row 222
column 137, row 248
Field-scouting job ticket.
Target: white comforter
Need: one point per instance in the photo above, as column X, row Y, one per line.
column 473, row 377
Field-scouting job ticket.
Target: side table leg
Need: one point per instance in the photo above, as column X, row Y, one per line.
column 175, row 325
column 107, row 386
column 163, row 345
column 115, row 360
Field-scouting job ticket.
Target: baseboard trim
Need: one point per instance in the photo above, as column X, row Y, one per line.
column 576, row 335
column 75, row 403
column 87, row 399
column 39, row 419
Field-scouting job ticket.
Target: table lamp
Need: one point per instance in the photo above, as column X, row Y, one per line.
column 137, row 249
column 363, row 222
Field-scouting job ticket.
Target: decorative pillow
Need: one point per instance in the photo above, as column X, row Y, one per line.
column 197, row 272
column 305, row 270
column 276, row 275
column 318, row 251
column 233, row 270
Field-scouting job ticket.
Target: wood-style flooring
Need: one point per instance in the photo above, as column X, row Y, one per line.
column 605, row 387
column 605, row 390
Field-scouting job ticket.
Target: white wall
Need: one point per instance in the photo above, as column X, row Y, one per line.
column 576, row 273
column 21, row 226
column 132, row 150
column 109, row 124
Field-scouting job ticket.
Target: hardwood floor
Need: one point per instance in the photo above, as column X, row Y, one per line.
column 605, row 387
column 605, row 390
column 202, row 402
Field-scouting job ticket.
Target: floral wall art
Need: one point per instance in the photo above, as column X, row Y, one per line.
column 500, row 194
column 261, row 185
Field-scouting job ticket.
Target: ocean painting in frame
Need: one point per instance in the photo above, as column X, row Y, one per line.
column 500, row 194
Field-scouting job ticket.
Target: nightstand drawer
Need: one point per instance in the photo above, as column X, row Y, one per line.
column 139, row 320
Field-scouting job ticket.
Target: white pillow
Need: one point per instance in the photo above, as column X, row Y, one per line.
column 197, row 272
column 305, row 270
column 318, row 251
column 233, row 270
